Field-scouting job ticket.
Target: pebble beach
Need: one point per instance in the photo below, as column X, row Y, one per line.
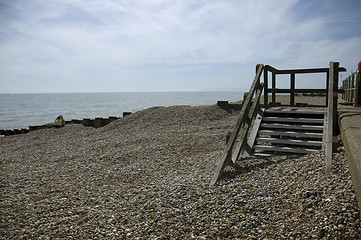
column 147, row 175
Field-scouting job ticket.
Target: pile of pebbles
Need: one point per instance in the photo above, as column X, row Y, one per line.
column 146, row 176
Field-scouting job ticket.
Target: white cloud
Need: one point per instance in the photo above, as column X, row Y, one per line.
column 111, row 43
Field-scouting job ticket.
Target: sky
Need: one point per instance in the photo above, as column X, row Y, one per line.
column 170, row 45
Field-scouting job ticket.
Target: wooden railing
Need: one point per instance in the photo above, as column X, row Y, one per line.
column 238, row 139
column 292, row 90
column 351, row 89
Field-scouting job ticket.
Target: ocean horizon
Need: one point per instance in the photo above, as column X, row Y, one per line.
column 21, row 110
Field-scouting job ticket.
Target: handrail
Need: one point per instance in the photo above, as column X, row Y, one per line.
column 292, row 72
column 300, row 71
column 243, row 123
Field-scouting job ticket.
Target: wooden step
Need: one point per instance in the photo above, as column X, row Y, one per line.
column 303, row 134
column 292, row 126
column 288, row 110
column 290, row 141
column 284, row 149
column 291, row 133
column 293, row 120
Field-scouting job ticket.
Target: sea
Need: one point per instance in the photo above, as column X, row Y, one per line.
column 30, row 109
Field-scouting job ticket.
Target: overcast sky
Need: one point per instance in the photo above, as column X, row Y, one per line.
column 166, row 45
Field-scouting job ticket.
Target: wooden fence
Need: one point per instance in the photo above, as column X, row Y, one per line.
column 351, row 89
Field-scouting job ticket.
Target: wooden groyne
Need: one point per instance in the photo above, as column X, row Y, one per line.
column 96, row 122
column 87, row 122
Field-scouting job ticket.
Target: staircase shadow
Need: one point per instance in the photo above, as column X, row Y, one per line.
column 246, row 165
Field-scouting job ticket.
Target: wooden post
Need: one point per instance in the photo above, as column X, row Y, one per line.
column 111, row 119
column 331, row 114
column 265, row 90
column 76, row 121
column 98, row 122
column 292, row 96
column 86, row 122
column 346, row 89
column 273, row 87
column 346, row 83
column 352, row 77
column 357, row 90
column 126, row 114
column 8, row 132
column 349, row 89
column 327, row 83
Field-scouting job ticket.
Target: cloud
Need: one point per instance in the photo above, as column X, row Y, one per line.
column 104, row 45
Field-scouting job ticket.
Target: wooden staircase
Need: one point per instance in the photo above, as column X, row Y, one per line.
column 288, row 129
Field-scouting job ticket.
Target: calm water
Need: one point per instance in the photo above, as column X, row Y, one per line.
column 23, row 110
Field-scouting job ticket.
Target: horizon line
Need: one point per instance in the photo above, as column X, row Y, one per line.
column 154, row 91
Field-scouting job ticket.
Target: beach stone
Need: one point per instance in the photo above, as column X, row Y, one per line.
column 147, row 176
column 321, row 233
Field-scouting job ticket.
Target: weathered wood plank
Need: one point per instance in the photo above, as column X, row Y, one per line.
column 298, row 90
column 293, row 120
column 290, row 141
column 252, row 137
column 284, row 149
column 293, row 110
column 291, row 133
column 292, row 126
